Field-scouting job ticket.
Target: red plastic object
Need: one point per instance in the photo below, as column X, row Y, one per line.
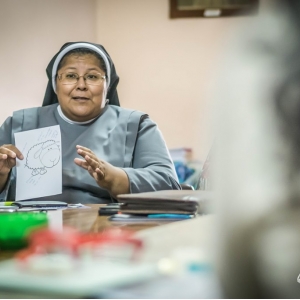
column 71, row 241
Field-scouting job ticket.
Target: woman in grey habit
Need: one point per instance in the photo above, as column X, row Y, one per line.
column 106, row 150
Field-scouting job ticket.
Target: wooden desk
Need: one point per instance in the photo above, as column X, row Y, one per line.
column 160, row 240
column 87, row 220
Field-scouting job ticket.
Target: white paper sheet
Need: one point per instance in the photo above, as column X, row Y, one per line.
column 39, row 174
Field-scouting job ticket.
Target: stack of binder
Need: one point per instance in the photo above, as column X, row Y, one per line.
column 168, row 204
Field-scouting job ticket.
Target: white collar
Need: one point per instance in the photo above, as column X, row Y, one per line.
column 70, row 121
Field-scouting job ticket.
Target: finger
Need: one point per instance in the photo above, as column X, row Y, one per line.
column 85, row 149
column 93, row 173
column 3, row 156
column 8, row 152
column 11, row 151
column 100, row 173
column 97, row 174
column 11, row 162
column 82, row 163
column 18, row 153
column 85, row 153
column 8, row 163
column 92, row 162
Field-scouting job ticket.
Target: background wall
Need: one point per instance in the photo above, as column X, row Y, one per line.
column 31, row 32
column 166, row 67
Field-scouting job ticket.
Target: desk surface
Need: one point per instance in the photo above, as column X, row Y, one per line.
column 87, row 220
column 160, row 239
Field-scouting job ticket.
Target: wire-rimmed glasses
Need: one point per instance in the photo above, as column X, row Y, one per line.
column 92, row 78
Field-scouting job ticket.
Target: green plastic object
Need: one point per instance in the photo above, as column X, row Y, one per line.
column 15, row 228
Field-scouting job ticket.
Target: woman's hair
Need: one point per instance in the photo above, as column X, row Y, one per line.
column 83, row 51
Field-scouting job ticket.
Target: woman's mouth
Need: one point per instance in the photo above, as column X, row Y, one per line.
column 80, row 98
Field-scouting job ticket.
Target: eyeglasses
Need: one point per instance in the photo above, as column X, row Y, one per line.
column 89, row 78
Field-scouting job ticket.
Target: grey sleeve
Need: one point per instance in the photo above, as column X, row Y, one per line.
column 152, row 167
column 5, row 138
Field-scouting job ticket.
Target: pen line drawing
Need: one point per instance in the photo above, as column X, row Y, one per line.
column 33, row 180
column 41, row 156
column 23, row 150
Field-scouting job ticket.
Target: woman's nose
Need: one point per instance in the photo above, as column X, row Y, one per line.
column 81, row 84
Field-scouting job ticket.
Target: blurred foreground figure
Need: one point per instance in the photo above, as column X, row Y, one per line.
column 257, row 158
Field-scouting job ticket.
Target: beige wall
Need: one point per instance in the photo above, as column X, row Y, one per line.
column 167, row 67
column 31, row 32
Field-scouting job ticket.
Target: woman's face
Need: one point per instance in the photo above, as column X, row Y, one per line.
column 81, row 102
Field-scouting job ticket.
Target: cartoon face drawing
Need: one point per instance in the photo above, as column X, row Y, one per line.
column 41, row 156
column 49, row 154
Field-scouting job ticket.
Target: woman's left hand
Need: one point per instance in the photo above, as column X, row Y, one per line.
column 107, row 176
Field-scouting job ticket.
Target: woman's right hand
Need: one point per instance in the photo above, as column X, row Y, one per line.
column 8, row 155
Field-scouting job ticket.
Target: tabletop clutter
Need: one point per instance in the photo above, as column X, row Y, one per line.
column 45, row 258
column 29, row 232
column 19, row 218
column 168, row 205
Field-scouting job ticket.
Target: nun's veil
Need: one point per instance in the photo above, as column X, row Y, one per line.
column 112, row 80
